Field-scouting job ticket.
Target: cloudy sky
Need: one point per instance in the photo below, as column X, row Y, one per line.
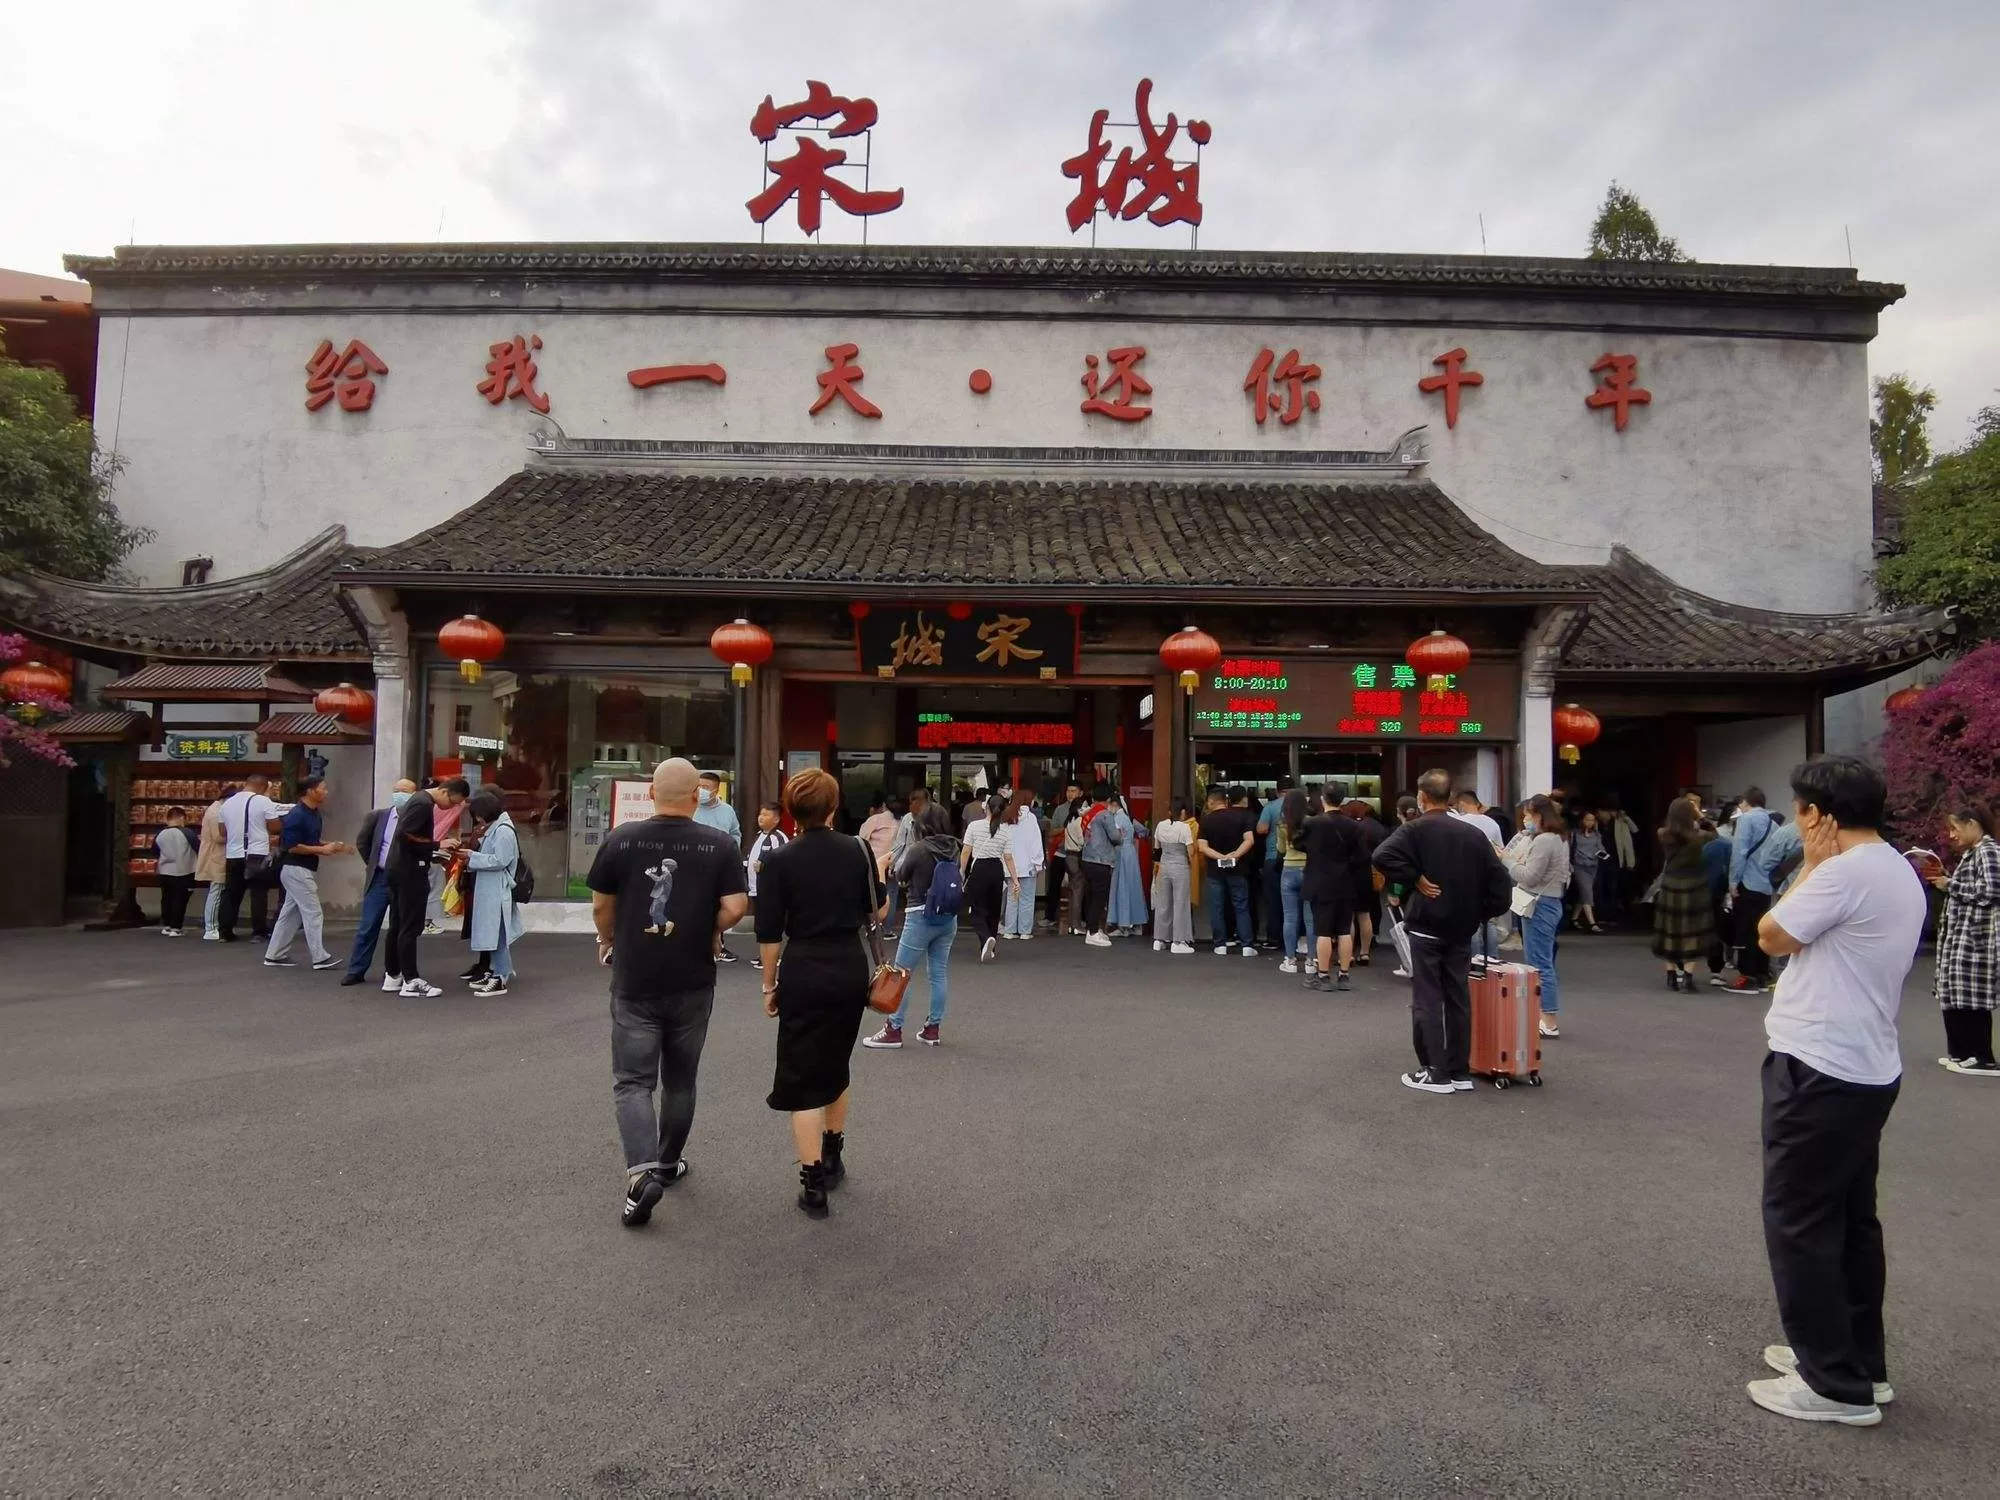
column 1757, row 130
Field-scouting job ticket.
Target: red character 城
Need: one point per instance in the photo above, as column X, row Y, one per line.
column 1150, row 183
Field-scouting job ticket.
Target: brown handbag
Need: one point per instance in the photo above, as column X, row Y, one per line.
column 886, row 982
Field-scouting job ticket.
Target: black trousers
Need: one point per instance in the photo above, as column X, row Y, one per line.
column 986, row 896
column 1822, row 1150
column 174, row 893
column 1058, row 868
column 1441, row 1005
column 1752, row 962
column 409, row 897
column 1718, row 942
column 1968, row 1033
column 1096, row 896
column 234, row 884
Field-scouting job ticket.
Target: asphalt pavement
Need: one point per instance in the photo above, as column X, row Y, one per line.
column 1144, row 1225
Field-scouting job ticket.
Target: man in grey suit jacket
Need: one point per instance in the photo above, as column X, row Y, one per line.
column 372, row 843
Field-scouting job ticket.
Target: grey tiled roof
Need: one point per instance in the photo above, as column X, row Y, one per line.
column 1643, row 623
column 290, row 611
column 1011, row 264
column 867, row 535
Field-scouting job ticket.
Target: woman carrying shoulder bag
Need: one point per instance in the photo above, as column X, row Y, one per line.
column 1538, row 859
column 816, row 897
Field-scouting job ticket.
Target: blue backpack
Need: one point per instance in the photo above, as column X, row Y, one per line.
column 946, row 896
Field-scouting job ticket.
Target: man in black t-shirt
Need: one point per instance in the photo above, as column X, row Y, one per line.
column 1224, row 837
column 663, row 889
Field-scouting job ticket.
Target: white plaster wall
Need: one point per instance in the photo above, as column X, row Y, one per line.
column 1759, row 440
column 1855, row 721
column 1751, row 752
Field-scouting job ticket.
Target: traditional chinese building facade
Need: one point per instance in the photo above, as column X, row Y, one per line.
column 969, row 492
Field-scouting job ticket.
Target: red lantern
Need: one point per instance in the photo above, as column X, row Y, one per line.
column 1440, row 657
column 346, row 702
column 473, row 641
column 959, row 611
column 1574, row 728
column 858, row 609
column 32, row 679
column 1902, row 699
column 743, row 645
column 1190, row 651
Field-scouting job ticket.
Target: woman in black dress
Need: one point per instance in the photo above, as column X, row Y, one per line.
column 817, row 896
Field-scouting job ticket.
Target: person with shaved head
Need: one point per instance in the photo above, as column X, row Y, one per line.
column 663, row 889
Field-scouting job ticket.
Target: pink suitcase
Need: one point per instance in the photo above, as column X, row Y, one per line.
column 1506, row 1025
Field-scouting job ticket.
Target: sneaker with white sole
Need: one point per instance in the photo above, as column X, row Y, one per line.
column 1399, row 973
column 931, row 1035
column 987, row 949
column 1222, row 950
column 431, row 929
column 1790, row 1396
column 1967, row 1067
column 1097, row 940
column 391, row 983
column 492, row 984
column 211, row 937
column 1248, row 951
column 281, row 963
column 418, row 989
column 641, row 1193
column 1781, row 1358
column 329, row 962
column 888, row 1039
column 1289, row 966
column 1181, row 948
column 1342, row 982
column 1158, row 946
column 1461, row 1085
column 1425, row 1081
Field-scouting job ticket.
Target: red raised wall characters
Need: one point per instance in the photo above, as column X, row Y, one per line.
column 808, row 173
column 511, row 371
column 654, row 375
column 1617, row 390
column 1449, row 382
column 843, row 379
column 1293, row 399
column 1150, row 183
column 1114, row 392
column 342, row 376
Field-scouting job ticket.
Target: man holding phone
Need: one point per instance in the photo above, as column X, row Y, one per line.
column 1226, row 834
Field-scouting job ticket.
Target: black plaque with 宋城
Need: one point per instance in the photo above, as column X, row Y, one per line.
column 925, row 641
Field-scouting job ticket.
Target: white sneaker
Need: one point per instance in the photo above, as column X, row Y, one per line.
column 1182, row 948
column 1097, row 940
column 431, row 929
column 1300, row 950
column 1222, row 950
column 1967, row 1067
column 391, row 983
column 1781, row 1358
column 1248, row 951
column 1158, row 946
column 987, row 949
column 418, row 989
column 1008, row 936
column 1289, row 966
column 211, row 937
column 1026, row 937
column 1790, row 1396
column 1399, row 973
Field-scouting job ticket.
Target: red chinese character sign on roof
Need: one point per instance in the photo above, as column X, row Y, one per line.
column 1150, row 183
column 343, row 376
column 808, row 174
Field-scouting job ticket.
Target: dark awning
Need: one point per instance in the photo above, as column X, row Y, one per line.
column 311, row 729
column 225, row 682
column 112, row 726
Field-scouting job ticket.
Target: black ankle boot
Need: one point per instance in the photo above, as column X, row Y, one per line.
column 830, row 1144
column 812, row 1189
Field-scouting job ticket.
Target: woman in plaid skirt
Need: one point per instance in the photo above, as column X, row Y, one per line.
column 1683, row 917
column 1968, row 958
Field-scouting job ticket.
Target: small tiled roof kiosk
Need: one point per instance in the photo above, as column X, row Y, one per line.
column 968, row 492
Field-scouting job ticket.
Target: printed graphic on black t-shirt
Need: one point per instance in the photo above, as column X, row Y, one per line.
column 669, row 875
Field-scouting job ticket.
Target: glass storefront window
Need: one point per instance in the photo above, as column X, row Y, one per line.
column 556, row 744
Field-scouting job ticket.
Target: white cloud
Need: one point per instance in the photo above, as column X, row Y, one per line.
column 1760, row 133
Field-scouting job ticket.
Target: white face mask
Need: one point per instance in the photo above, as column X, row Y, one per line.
column 706, row 796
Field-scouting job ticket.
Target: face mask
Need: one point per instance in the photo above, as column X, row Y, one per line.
column 397, row 799
column 706, row 796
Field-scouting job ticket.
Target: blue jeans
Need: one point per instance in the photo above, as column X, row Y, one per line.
column 1290, row 882
column 1237, row 887
column 502, row 961
column 1544, row 922
column 1019, row 918
column 374, row 907
column 889, row 913
column 929, row 938
column 1272, row 879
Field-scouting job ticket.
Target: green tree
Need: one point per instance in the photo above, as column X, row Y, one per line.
column 1951, row 540
column 1900, row 431
column 1985, row 422
column 1625, row 230
column 55, row 515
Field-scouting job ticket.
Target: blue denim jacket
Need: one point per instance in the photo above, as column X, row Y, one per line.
column 1747, row 865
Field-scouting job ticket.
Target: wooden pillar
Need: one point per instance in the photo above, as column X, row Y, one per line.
column 1816, row 723
column 1169, row 743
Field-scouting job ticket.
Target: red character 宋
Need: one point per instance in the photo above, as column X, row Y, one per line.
column 843, row 380
column 1449, row 382
column 1150, row 183
column 1617, row 390
column 1113, row 393
column 343, row 375
column 807, row 174
column 1294, row 400
column 510, row 373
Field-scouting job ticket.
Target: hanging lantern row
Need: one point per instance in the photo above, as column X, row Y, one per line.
column 474, row 642
column 348, row 703
column 30, row 679
column 1574, row 728
column 1440, row 656
column 1903, row 698
column 743, row 646
column 1190, row 651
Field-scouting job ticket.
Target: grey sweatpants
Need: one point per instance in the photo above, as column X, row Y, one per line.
column 1173, row 910
column 301, row 912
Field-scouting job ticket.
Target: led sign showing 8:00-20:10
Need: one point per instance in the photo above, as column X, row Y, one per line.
column 1353, row 699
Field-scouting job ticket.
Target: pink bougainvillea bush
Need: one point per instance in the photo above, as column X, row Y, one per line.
column 1943, row 750
column 20, row 713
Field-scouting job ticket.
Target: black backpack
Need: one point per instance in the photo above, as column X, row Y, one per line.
column 524, row 880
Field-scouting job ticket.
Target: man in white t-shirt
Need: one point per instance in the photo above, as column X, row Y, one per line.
column 1850, row 926
column 246, row 832
column 1467, row 808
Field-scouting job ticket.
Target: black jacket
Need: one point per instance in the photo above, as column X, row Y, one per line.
column 1336, row 858
column 1473, row 885
column 369, row 841
column 414, row 847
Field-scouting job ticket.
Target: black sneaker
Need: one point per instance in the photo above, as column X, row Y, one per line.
column 1316, row 982
column 474, row 974
column 641, row 1193
column 725, row 957
column 1342, row 982
column 1426, row 1081
column 671, row 1175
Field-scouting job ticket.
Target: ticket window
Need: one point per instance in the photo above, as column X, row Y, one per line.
column 1258, row 765
column 1342, row 774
